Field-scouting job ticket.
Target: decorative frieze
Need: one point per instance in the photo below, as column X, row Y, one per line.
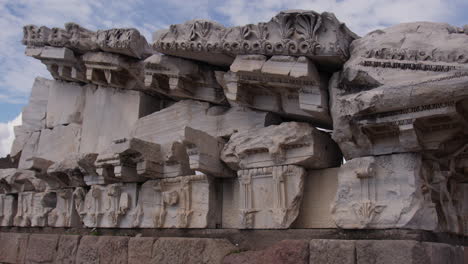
column 295, row 33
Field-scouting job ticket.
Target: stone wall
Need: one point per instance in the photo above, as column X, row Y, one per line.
column 51, row 248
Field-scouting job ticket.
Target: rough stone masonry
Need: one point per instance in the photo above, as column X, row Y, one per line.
column 295, row 123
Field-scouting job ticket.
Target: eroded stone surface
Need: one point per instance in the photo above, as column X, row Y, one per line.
column 286, row 85
column 33, row 208
column 384, row 192
column 403, row 90
column 270, row 197
column 182, row 79
column 140, row 250
column 333, row 251
column 67, row 248
column 191, row 250
column 41, row 248
column 14, row 246
column 179, row 202
column 286, row 251
column 111, row 205
column 290, row 143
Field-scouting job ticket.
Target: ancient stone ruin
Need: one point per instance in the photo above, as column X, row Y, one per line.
column 348, row 149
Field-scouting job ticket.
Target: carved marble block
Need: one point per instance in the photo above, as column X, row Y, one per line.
column 127, row 41
column 35, row 35
column 204, row 153
column 296, row 32
column 217, row 121
column 74, row 37
column 109, row 205
column 33, row 208
column 8, row 205
column 180, row 202
column 17, row 181
column 290, row 143
column 269, row 198
column 113, row 70
column 182, row 79
column 71, row 171
column 384, row 192
column 61, row 62
column 396, row 95
column 64, row 214
column 286, row 85
column 130, row 160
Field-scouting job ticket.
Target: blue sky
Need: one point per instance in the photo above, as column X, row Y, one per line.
column 17, row 71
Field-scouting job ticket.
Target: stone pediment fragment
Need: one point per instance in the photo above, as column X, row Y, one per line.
column 130, row 160
column 61, row 62
column 182, row 79
column 396, row 94
column 113, row 70
column 286, row 85
column 320, row 37
column 289, row 143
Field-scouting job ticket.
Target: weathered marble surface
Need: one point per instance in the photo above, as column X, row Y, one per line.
column 182, row 79
column 263, row 198
column 295, row 32
column 402, row 90
column 8, row 204
column 180, row 202
column 289, row 86
column 384, row 192
column 33, row 208
column 110, row 114
column 111, row 205
column 17, row 181
column 126, row 41
column 290, row 143
column 62, row 63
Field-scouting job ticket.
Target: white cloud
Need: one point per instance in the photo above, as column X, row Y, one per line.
column 7, row 135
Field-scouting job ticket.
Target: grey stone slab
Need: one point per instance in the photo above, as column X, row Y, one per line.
column 41, row 248
column 65, row 104
column 390, row 252
column 67, row 248
column 140, row 249
column 110, row 114
column 191, row 250
column 13, row 249
column 333, row 251
column 34, row 113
